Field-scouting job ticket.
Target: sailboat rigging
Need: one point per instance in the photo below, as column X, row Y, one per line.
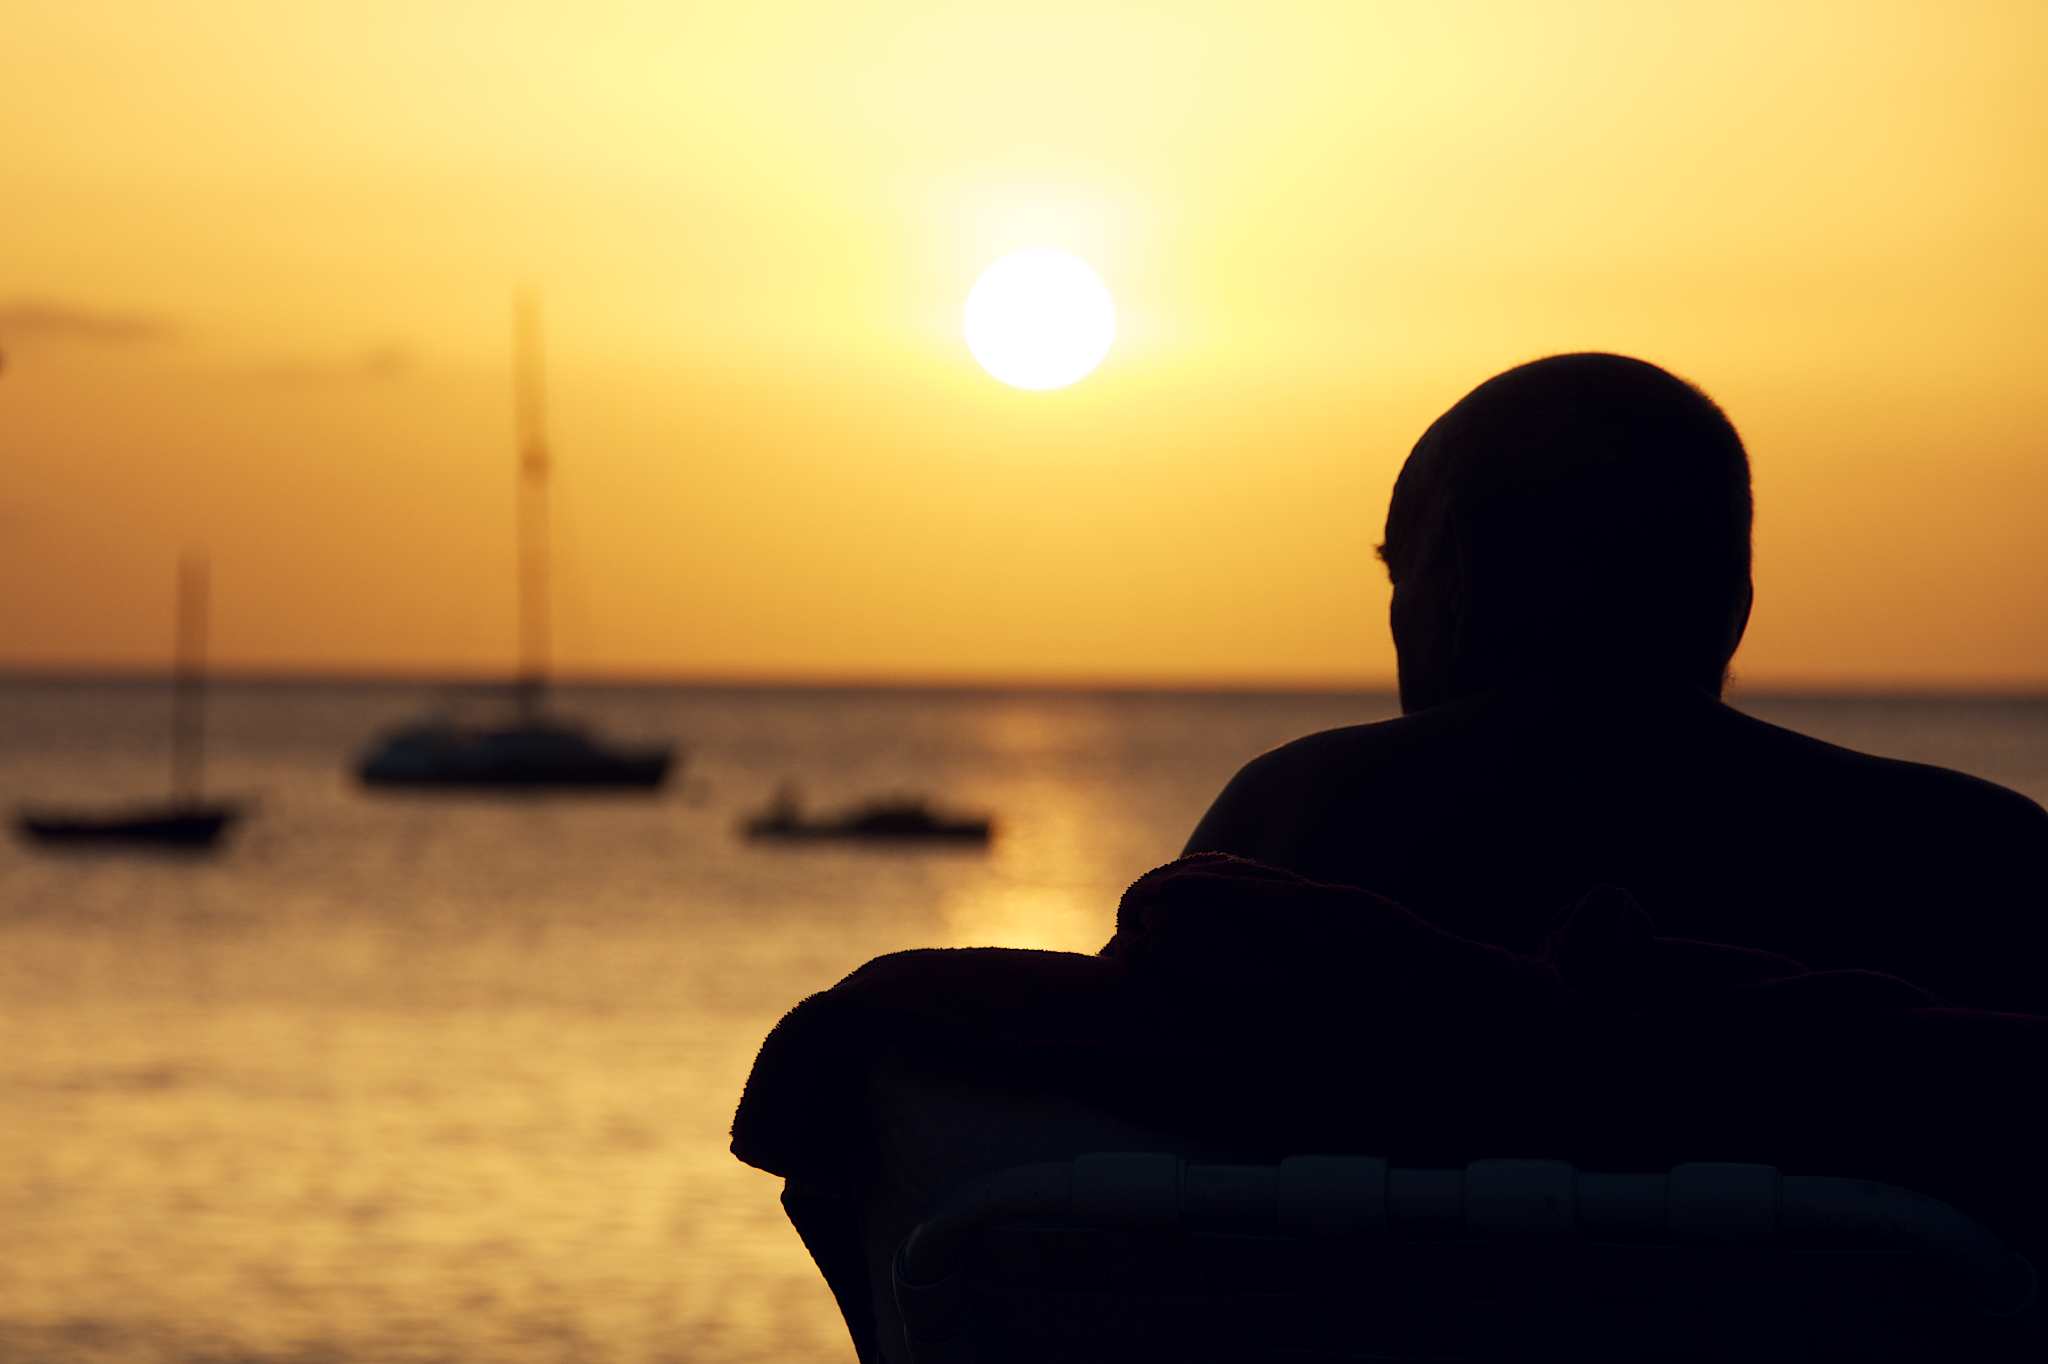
column 187, row 820
column 536, row 749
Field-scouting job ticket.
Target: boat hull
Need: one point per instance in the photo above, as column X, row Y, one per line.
column 184, row 829
column 641, row 774
column 541, row 758
column 883, row 827
column 964, row 835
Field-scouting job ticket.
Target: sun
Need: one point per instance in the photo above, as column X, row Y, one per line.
column 1039, row 319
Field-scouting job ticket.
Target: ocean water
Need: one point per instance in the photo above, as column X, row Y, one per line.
column 447, row 1079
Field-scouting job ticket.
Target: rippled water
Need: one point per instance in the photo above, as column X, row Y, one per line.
column 438, row 1079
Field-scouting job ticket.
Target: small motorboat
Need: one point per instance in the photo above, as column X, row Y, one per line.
column 893, row 820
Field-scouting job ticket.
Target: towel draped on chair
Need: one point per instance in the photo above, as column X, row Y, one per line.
column 1255, row 1015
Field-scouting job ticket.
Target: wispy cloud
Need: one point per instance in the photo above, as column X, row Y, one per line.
column 38, row 319
column 388, row 361
column 384, row 362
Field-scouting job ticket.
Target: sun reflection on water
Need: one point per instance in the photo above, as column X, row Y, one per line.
column 429, row 1082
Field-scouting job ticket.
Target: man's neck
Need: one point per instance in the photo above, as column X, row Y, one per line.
column 1579, row 690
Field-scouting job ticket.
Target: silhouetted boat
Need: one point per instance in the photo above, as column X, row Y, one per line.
column 184, row 822
column 195, row 826
column 900, row 820
column 532, row 750
column 535, row 752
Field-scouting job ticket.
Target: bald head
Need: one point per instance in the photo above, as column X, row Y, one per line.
column 1579, row 516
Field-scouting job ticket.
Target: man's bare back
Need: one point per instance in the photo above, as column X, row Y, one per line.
column 1494, row 815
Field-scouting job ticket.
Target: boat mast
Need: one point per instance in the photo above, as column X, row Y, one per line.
column 530, row 399
column 188, row 716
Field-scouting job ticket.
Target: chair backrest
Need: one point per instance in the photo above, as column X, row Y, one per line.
column 1143, row 1256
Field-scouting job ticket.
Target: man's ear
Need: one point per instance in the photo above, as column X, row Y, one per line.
column 1739, row 620
column 1738, row 624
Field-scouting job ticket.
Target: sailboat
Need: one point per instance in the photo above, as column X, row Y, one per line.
column 533, row 748
column 186, row 821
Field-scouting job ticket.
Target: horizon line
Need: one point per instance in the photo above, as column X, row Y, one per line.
column 1078, row 684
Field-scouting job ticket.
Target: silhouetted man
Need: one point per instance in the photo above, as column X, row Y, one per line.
column 1570, row 553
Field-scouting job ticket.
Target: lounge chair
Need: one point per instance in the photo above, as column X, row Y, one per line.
column 1143, row 1257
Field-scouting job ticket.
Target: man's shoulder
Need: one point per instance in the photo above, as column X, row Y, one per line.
column 1270, row 809
column 1311, row 762
column 1816, row 768
column 1419, row 733
column 1704, row 744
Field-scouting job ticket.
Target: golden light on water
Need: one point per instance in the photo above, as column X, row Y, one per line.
column 1039, row 318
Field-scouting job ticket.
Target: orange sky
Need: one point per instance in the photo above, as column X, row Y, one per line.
column 256, row 267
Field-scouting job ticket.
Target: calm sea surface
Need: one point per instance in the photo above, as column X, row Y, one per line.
column 448, row 1079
